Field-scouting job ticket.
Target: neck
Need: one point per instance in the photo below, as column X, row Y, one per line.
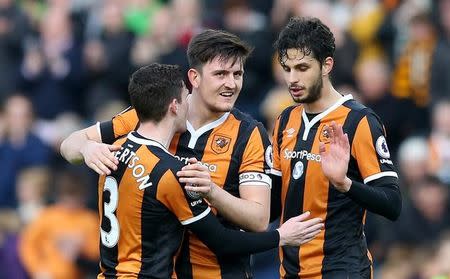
column 161, row 132
column 328, row 97
column 200, row 115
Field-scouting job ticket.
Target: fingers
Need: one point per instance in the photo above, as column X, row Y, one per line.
column 94, row 167
column 193, row 173
column 192, row 160
column 311, row 222
column 196, row 166
column 322, row 148
column 195, row 181
column 114, row 147
column 313, row 228
column 198, row 189
column 108, row 161
column 301, row 217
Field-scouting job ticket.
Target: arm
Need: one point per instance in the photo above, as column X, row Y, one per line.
column 381, row 196
column 194, row 212
column 293, row 232
column 86, row 145
column 275, row 198
column 250, row 212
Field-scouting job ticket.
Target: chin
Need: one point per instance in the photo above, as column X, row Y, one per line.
column 223, row 107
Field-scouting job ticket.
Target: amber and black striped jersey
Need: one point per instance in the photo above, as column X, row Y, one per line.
column 342, row 245
column 142, row 208
column 234, row 148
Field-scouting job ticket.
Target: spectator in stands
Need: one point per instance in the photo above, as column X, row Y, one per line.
column 20, row 147
column 63, row 240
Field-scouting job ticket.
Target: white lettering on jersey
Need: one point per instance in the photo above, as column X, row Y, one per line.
column 302, row 154
column 130, row 158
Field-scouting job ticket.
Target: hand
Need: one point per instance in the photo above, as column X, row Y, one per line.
column 197, row 178
column 100, row 157
column 296, row 230
column 335, row 160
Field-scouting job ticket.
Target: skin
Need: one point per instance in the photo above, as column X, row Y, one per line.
column 309, row 84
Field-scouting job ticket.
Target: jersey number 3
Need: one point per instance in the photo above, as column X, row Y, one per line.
column 111, row 237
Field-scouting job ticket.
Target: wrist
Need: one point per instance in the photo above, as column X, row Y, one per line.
column 211, row 197
column 281, row 241
column 344, row 186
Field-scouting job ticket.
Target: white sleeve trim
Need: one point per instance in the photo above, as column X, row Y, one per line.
column 254, row 178
column 99, row 130
column 196, row 218
column 275, row 172
column 379, row 175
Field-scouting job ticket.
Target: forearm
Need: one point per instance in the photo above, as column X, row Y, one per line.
column 275, row 198
column 382, row 198
column 214, row 235
column 72, row 146
column 247, row 214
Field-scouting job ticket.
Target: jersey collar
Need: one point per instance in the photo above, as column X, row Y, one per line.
column 317, row 118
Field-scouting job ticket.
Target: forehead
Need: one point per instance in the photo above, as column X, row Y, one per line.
column 296, row 56
column 219, row 63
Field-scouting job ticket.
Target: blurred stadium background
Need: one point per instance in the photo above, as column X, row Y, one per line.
column 64, row 64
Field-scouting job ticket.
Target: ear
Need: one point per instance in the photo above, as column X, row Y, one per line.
column 194, row 77
column 327, row 66
column 173, row 106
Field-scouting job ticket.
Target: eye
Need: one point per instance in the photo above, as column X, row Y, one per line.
column 238, row 74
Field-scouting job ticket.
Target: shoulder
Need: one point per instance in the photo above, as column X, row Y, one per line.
column 284, row 115
column 167, row 161
column 361, row 110
column 243, row 117
column 246, row 120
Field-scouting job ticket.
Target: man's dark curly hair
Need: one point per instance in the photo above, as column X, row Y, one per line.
column 209, row 44
column 309, row 35
column 152, row 88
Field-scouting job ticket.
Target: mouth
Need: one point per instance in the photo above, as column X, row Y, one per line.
column 227, row 94
column 296, row 91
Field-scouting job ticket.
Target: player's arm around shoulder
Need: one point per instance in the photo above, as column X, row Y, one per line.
column 86, row 145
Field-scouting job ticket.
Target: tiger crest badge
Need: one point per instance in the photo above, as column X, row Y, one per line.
column 220, row 144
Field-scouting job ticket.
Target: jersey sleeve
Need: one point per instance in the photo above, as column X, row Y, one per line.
column 120, row 125
column 187, row 206
column 275, row 159
column 370, row 149
column 254, row 168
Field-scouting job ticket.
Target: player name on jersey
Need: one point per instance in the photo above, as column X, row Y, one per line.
column 129, row 157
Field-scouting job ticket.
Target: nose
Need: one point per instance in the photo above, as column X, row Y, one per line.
column 230, row 82
column 293, row 77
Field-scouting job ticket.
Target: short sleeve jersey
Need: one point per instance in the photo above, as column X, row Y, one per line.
column 237, row 151
column 297, row 160
column 142, row 207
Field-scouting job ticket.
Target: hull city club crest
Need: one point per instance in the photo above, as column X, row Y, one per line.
column 324, row 136
column 220, row 144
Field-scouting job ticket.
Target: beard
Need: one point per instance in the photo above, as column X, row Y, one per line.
column 314, row 92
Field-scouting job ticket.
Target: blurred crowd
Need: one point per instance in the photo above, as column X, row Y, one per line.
column 64, row 64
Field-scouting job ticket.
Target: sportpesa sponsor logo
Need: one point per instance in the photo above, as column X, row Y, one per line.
column 302, row 154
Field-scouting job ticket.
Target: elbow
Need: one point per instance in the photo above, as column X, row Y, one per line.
column 395, row 212
column 396, row 208
column 262, row 224
column 262, row 227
